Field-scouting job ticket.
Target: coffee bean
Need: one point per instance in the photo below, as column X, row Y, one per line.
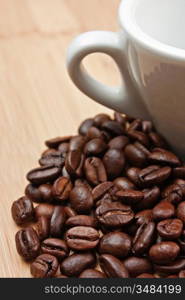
column 58, row 219
column 75, row 264
column 27, row 243
column 77, row 143
column 55, row 142
column 157, row 140
column 82, row 238
column 144, row 237
column 124, row 183
column 100, row 190
column 55, row 247
column 74, row 163
column 85, row 125
column 44, row 266
column 135, row 155
column 95, row 170
column 95, row 147
column 179, row 172
column 81, row 199
column 130, row 197
column 119, row 142
column 164, row 252
column 139, row 136
column 174, row 193
column 172, row 268
column 144, row 216
column 43, row 175
column 81, row 220
column 163, row 210
column 122, row 119
column 62, row 188
column 150, row 198
column 84, row 183
column 135, row 125
column 94, row 133
column 137, row 265
column 22, row 211
column 114, row 162
column 42, row 193
column 44, row 210
column 70, row 212
column 164, row 157
column 43, row 227
column 133, row 175
column 170, row 228
column 153, row 175
column 181, row 211
column 115, row 243
column 113, row 127
column 91, row 273
column 114, row 214
column 63, row 148
column 100, row 119
column 113, row 267
column 55, row 159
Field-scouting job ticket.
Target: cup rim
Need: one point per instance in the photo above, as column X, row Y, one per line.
column 128, row 23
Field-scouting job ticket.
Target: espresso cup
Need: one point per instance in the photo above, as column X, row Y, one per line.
column 149, row 51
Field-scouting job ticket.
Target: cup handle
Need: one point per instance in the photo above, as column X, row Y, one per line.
column 124, row 98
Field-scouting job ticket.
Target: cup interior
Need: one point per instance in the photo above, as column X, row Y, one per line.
column 162, row 20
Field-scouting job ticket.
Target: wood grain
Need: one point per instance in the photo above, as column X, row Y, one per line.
column 37, row 99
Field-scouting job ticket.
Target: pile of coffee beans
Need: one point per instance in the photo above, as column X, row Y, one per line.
column 110, row 203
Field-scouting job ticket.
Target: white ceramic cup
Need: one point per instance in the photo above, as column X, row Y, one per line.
column 149, row 51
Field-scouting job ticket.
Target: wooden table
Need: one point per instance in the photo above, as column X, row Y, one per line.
column 37, row 99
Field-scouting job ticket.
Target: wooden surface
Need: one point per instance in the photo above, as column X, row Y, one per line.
column 37, row 99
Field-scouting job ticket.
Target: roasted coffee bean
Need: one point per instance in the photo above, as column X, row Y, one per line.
column 40, row 194
column 144, row 237
column 95, row 147
column 83, row 182
column 163, row 210
column 174, row 193
column 170, row 228
column 150, row 198
column 43, row 175
column 114, row 162
column 81, row 220
column 49, row 151
column 147, row 126
column 113, row 127
column 74, row 163
column 62, row 188
column 135, row 124
column 75, row 264
column 70, row 212
column 181, row 211
column 58, row 219
column 164, row 157
column 45, row 210
column 122, row 119
column 130, row 197
column 55, row 159
column 124, row 183
column 139, row 136
column 135, row 155
column 100, row 119
column 164, row 252
column 27, row 243
column 114, row 214
column 55, row 247
column 93, row 133
column 44, row 266
column 43, row 227
column 179, row 172
column 133, row 175
column 22, row 211
column 146, row 275
column 137, row 266
column 85, row 125
column 82, row 238
column 113, row 267
column 144, row 216
column 119, row 142
column 81, row 199
column 100, row 190
column 77, row 143
column 55, row 142
column 157, row 140
column 63, row 148
column 95, row 171
column 154, row 175
column 172, row 268
column 115, row 243
column 91, row 273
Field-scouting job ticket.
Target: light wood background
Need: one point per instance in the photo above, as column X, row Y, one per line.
column 37, row 99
